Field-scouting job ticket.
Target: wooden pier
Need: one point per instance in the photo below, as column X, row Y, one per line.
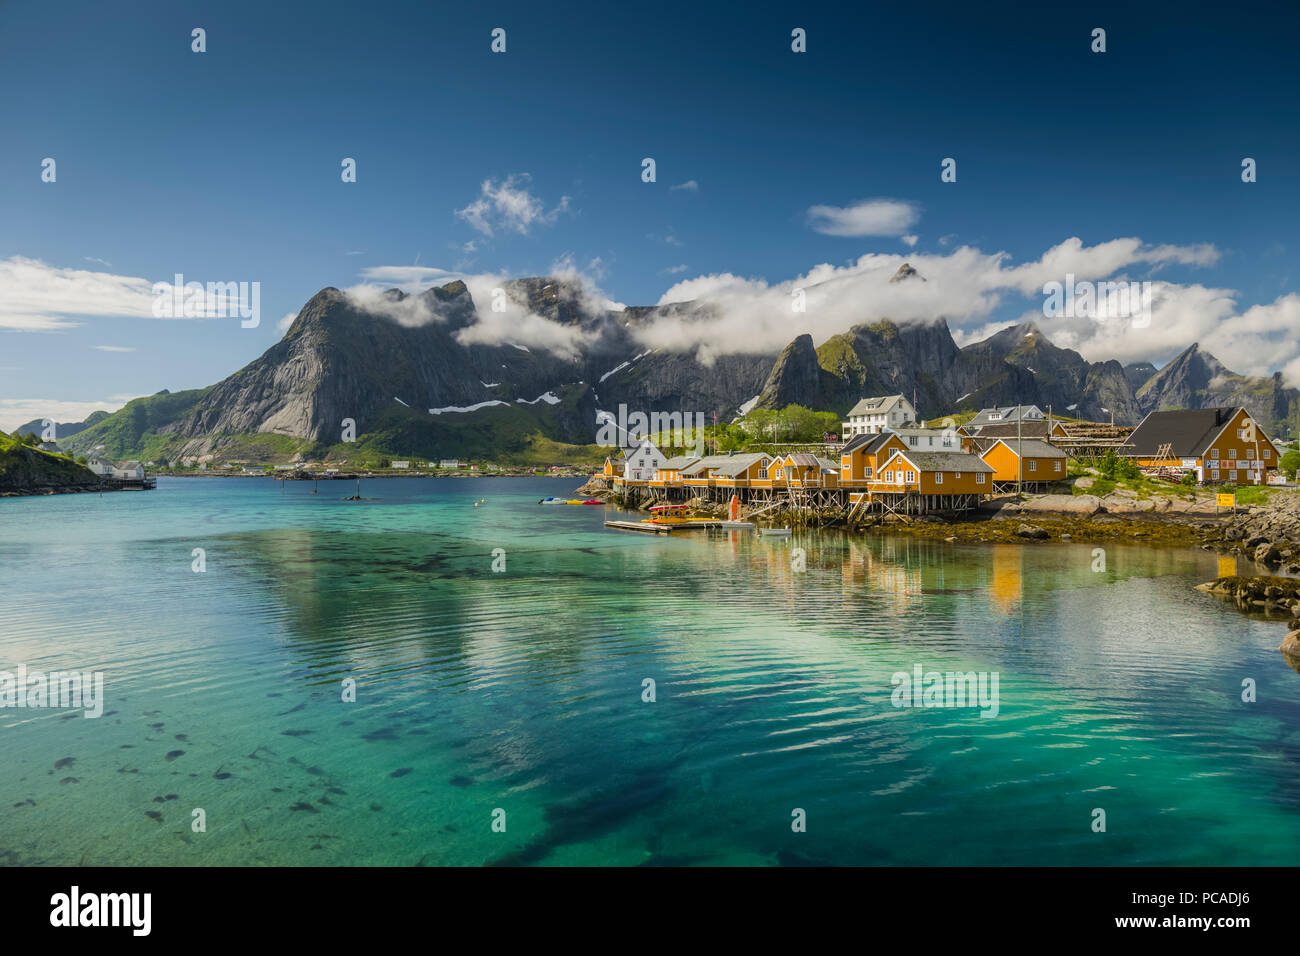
column 651, row 527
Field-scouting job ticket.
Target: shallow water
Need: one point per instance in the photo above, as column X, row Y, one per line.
column 521, row 690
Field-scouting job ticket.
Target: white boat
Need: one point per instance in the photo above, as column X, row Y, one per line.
column 776, row 532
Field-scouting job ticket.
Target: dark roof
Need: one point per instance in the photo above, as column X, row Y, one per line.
column 1028, row 429
column 872, row 443
column 945, row 460
column 1189, row 431
column 1030, row 448
column 804, row 460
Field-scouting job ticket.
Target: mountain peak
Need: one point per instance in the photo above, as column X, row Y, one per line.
column 905, row 271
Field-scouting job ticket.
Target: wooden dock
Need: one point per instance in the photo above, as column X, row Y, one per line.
column 650, row 527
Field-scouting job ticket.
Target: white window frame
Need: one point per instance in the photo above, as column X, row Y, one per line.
column 911, row 476
column 979, row 478
column 938, row 477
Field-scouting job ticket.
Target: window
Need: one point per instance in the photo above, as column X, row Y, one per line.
column 762, row 472
column 911, row 476
column 957, row 475
column 947, row 441
column 866, row 472
column 1033, row 465
column 1268, row 453
column 1214, row 474
column 911, row 440
column 938, row 477
column 979, row 478
column 1214, row 453
column 1058, row 466
column 1250, row 454
column 888, row 476
column 776, row 473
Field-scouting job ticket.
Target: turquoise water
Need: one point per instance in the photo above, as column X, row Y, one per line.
column 521, row 690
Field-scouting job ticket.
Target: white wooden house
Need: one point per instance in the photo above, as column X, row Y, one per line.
column 641, row 462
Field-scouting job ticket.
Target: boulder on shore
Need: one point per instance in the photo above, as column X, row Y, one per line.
column 1031, row 531
column 1083, row 505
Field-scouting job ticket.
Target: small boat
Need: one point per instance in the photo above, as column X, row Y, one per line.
column 552, row 501
column 587, row 501
column 775, row 532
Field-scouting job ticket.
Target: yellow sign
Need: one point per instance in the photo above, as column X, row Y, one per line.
column 1226, row 501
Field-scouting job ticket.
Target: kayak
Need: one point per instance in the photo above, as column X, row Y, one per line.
column 552, row 501
column 589, row 501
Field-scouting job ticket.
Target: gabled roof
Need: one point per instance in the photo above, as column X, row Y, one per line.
column 705, row 463
column 1005, row 413
column 804, row 460
column 942, row 461
column 868, row 444
column 1189, row 431
column 1029, row 448
column 878, row 405
column 828, row 465
column 1027, row 429
column 678, row 463
column 637, row 448
column 735, row 464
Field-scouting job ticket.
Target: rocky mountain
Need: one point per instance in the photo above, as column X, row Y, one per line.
column 419, row 375
column 1196, row 379
column 61, row 429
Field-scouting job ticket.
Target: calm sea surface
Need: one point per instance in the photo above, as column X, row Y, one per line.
column 522, row 691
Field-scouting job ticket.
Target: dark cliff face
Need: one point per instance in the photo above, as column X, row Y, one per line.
column 796, row 378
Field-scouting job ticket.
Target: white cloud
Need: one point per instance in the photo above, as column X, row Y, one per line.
column 909, row 241
column 113, row 348
column 20, row 411
column 674, row 270
column 41, row 298
column 964, row 287
column 286, row 320
column 689, row 186
column 869, row 217
column 102, row 262
column 508, row 206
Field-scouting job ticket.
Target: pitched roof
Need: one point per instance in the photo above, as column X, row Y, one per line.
column 705, row 463
column 944, row 461
column 1030, row 448
column 872, row 443
column 681, row 461
column 804, row 460
column 877, row 405
column 828, row 465
column 1189, row 431
column 1027, row 429
column 1005, row 413
column 735, row 464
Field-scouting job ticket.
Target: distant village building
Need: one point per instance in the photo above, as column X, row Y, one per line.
column 1216, row 444
column 129, row 471
column 870, row 416
column 929, row 439
column 1003, row 415
column 401, row 464
column 100, row 467
column 449, row 463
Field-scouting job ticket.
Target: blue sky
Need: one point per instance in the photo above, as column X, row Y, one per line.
column 225, row 165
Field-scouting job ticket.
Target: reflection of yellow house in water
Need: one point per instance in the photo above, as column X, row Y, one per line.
column 1227, row 566
column 1007, row 582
